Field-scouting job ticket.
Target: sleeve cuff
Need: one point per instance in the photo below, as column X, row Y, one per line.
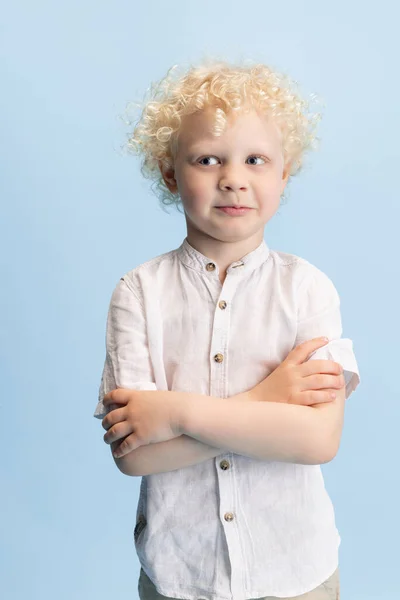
column 341, row 351
column 101, row 411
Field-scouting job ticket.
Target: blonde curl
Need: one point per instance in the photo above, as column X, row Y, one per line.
column 227, row 88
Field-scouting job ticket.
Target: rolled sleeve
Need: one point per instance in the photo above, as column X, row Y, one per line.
column 319, row 315
column 127, row 363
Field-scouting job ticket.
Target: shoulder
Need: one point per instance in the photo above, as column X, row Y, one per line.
column 309, row 283
column 128, row 292
column 295, row 263
column 147, row 270
column 300, row 268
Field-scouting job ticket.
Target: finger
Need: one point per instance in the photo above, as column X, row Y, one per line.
column 321, row 366
column 301, row 353
column 117, row 396
column 313, row 398
column 128, row 445
column 117, row 432
column 113, row 417
column 322, row 382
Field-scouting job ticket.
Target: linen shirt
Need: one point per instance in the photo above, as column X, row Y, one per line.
column 231, row 527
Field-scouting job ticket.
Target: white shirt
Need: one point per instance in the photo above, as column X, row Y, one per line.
column 166, row 322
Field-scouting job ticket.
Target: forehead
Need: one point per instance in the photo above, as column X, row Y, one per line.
column 248, row 126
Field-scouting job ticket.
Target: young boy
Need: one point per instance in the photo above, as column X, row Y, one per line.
column 208, row 391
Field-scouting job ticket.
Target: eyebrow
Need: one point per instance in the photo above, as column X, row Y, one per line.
column 202, row 149
column 268, row 155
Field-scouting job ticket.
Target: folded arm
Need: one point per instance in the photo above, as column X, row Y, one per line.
column 268, row 430
column 182, row 451
column 316, row 429
column 261, row 430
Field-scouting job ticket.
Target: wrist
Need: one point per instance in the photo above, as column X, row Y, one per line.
column 187, row 406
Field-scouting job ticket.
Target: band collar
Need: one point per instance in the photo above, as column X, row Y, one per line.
column 199, row 262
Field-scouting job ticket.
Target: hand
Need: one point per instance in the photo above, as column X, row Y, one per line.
column 141, row 417
column 295, row 381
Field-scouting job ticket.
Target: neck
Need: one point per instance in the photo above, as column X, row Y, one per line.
column 223, row 253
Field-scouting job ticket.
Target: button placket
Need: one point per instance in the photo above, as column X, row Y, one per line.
column 220, row 379
column 219, row 342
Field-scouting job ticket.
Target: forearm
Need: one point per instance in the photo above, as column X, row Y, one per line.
column 182, row 451
column 213, row 425
column 260, row 430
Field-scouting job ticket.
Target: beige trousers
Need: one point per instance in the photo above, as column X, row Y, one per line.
column 328, row 590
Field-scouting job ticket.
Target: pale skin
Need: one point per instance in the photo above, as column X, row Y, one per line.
column 244, row 423
column 288, row 416
column 228, row 180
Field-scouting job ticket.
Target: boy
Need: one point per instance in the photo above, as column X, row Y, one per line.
column 207, row 391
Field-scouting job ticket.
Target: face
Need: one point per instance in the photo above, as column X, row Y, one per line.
column 242, row 167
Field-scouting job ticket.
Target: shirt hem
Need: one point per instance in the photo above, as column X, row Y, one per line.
column 195, row 593
column 293, row 592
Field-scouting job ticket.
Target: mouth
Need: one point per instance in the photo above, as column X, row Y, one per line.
column 234, row 211
column 232, row 206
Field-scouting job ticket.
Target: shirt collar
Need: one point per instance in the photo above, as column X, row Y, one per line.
column 196, row 260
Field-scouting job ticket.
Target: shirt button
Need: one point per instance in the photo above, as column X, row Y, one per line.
column 228, row 516
column 224, row 464
column 210, row 267
column 218, row 358
column 222, row 304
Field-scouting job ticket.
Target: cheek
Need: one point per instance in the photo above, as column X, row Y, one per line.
column 195, row 205
column 194, row 187
column 194, row 193
column 270, row 187
column 194, row 182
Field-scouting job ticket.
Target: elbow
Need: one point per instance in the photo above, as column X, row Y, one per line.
column 319, row 453
column 319, row 458
column 328, row 452
column 125, row 467
column 326, row 458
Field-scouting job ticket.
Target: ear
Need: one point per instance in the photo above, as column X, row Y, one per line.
column 285, row 176
column 168, row 174
column 286, row 171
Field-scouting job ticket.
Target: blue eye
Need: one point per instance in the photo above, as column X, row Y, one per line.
column 208, row 157
column 253, row 156
column 205, row 158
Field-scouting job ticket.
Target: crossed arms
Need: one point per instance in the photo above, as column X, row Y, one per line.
column 263, row 430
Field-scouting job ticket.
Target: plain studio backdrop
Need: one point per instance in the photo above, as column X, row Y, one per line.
column 77, row 215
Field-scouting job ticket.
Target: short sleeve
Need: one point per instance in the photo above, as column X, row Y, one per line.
column 319, row 315
column 127, row 362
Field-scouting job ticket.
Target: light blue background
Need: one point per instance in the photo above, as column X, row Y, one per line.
column 77, row 215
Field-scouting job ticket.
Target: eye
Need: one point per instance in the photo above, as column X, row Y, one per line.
column 211, row 157
column 257, row 156
column 205, row 158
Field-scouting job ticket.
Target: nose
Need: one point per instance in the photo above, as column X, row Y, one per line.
column 232, row 181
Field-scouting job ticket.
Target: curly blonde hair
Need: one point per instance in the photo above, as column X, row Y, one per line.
column 227, row 87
